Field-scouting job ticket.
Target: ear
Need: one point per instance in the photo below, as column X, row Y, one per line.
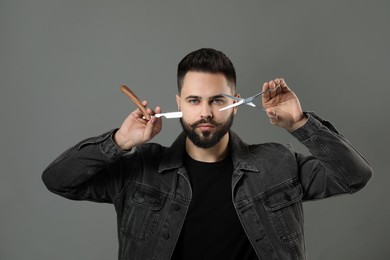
column 235, row 109
column 178, row 102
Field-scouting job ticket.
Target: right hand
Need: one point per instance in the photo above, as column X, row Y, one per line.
column 135, row 130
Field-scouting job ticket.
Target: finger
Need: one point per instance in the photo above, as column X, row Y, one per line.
column 278, row 87
column 266, row 96
column 278, row 90
column 139, row 116
column 283, row 85
column 148, row 134
column 282, row 82
column 153, row 127
column 137, row 113
column 150, row 111
column 272, row 87
column 158, row 110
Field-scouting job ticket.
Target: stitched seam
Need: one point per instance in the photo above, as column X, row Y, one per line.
column 334, row 161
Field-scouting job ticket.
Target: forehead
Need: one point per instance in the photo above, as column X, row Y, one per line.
column 204, row 84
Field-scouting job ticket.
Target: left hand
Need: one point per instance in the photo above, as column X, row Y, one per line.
column 282, row 105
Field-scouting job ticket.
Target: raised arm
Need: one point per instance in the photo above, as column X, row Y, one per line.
column 82, row 172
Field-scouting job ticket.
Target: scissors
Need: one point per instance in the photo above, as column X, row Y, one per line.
column 247, row 101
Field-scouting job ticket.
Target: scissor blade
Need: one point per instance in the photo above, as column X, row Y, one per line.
column 233, row 105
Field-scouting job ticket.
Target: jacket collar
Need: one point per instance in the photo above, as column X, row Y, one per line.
column 241, row 157
column 173, row 156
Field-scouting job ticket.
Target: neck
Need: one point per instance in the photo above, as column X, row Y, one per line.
column 214, row 154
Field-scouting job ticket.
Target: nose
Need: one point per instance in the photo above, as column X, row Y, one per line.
column 206, row 111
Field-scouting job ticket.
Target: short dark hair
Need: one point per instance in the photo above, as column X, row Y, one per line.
column 206, row 60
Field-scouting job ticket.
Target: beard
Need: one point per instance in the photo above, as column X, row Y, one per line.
column 207, row 139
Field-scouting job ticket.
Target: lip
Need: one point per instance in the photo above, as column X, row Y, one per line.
column 205, row 126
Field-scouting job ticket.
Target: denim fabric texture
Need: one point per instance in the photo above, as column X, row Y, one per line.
column 151, row 192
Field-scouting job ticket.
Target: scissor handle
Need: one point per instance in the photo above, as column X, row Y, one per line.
column 133, row 97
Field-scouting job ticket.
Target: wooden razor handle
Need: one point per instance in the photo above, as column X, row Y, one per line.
column 133, row 97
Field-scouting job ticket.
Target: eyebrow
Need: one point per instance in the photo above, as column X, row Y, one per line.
column 212, row 97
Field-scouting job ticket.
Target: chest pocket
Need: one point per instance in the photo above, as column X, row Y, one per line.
column 142, row 213
column 284, row 207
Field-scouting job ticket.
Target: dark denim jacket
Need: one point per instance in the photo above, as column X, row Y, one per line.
column 151, row 192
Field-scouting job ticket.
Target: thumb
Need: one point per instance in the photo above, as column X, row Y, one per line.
column 272, row 115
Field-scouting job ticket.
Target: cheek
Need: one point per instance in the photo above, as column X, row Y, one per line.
column 222, row 115
column 189, row 111
column 225, row 116
column 189, row 114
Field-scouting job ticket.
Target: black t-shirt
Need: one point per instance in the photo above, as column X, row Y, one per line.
column 212, row 229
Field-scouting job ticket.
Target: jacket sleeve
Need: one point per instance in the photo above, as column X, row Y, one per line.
column 334, row 166
column 90, row 170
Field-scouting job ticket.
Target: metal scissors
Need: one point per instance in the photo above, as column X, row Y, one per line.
column 247, row 101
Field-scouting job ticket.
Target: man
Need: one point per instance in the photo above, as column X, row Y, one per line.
column 210, row 195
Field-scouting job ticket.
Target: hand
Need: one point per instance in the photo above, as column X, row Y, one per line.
column 135, row 130
column 282, row 105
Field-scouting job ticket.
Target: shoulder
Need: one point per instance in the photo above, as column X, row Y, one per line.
column 270, row 147
column 241, row 149
column 151, row 148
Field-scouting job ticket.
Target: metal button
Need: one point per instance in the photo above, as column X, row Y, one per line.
column 139, row 197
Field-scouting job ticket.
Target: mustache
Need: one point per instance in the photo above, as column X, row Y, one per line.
column 205, row 121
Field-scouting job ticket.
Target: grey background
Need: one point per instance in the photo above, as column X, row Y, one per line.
column 62, row 62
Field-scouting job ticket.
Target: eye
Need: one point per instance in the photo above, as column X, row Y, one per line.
column 218, row 101
column 193, row 101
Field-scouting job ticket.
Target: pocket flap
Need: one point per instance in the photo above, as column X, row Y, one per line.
column 282, row 196
column 147, row 197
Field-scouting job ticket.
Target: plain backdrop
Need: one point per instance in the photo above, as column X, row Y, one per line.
column 62, row 62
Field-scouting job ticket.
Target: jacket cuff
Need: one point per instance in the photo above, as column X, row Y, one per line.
column 108, row 146
column 312, row 126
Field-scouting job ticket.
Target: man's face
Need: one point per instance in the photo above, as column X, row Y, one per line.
column 200, row 101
